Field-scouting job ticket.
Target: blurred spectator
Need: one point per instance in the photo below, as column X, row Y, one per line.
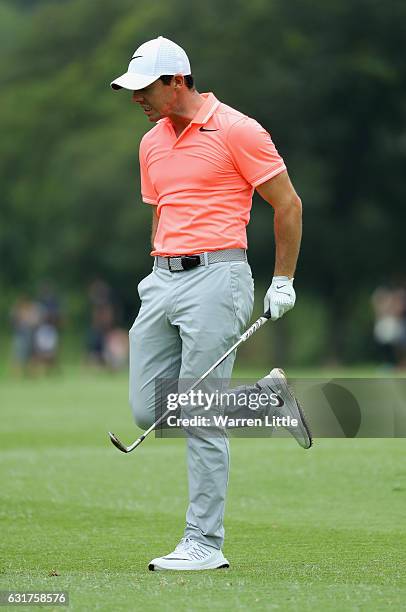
column 46, row 335
column 25, row 319
column 36, row 326
column 107, row 344
column 390, row 324
column 115, row 352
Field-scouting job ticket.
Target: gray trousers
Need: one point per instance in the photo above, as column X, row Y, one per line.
column 187, row 320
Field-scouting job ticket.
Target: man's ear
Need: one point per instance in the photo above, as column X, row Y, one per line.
column 178, row 81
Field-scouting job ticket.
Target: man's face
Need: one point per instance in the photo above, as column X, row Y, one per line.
column 157, row 99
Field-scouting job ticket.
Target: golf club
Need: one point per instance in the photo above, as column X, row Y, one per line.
column 247, row 334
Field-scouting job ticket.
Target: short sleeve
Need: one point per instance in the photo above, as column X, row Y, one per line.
column 253, row 152
column 148, row 193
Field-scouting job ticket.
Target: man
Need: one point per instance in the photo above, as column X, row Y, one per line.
column 199, row 166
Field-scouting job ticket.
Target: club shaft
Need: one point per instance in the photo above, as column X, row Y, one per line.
column 247, row 334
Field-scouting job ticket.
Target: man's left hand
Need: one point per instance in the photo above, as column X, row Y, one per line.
column 280, row 297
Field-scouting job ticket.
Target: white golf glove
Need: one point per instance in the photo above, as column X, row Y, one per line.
column 280, row 297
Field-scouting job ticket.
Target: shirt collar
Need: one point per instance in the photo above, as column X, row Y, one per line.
column 207, row 109
column 204, row 113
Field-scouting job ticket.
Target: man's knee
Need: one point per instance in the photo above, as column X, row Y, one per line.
column 145, row 406
column 143, row 422
column 143, row 418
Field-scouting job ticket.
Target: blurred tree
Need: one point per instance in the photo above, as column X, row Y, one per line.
column 326, row 79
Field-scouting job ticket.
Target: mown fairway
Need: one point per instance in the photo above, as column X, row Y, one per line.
column 306, row 530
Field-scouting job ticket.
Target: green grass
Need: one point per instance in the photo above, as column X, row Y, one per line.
column 306, row 530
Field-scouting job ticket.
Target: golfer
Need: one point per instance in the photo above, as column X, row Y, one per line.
column 200, row 164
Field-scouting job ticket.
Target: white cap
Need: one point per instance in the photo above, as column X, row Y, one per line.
column 151, row 60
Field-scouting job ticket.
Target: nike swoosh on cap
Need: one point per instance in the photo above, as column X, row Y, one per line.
column 135, row 56
column 202, row 129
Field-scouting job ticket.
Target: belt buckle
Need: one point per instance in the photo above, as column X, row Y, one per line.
column 190, row 261
column 169, row 264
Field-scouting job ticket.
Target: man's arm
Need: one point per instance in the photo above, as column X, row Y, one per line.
column 280, row 193
column 154, row 223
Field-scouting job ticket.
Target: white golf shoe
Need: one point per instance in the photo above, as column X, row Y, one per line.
column 190, row 555
column 276, row 382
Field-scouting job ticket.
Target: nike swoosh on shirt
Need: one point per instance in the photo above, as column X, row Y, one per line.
column 202, row 129
column 280, row 286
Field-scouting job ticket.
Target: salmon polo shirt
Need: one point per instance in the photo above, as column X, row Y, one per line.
column 202, row 182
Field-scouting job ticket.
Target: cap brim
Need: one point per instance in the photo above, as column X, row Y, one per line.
column 133, row 81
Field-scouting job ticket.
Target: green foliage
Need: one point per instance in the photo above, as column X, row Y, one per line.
column 326, row 79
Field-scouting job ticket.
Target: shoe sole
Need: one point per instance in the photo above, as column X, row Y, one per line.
column 282, row 383
column 153, row 568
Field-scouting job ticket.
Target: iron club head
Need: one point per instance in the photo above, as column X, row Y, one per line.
column 117, row 443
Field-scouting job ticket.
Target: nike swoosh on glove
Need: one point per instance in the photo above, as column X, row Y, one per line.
column 280, row 297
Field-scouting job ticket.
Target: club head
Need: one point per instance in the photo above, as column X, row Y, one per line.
column 117, row 443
